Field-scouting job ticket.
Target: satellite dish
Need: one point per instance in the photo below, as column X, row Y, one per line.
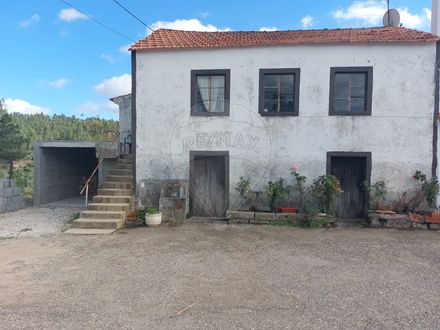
column 391, row 18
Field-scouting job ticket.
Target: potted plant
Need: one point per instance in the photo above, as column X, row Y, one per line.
column 276, row 190
column 153, row 217
column 325, row 189
column 298, row 185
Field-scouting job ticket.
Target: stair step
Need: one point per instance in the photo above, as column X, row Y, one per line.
column 124, row 161
column 89, row 231
column 119, row 178
column 123, row 165
column 116, row 171
column 112, row 199
column 116, row 185
column 108, row 207
column 114, row 192
column 103, row 215
column 98, row 223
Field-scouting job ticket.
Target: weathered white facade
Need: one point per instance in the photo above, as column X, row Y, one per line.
column 398, row 134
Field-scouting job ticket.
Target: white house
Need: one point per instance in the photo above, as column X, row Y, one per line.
column 210, row 107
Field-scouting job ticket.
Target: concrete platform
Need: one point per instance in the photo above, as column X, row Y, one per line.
column 81, row 231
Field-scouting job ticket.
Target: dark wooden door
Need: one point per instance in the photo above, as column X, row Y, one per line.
column 209, row 188
column 351, row 173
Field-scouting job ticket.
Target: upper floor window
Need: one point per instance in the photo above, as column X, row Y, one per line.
column 351, row 91
column 210, row 92
column 279, row 92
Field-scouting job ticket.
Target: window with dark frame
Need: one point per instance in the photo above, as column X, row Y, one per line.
column 279, row 92
column 210, row 92
column 351, row 91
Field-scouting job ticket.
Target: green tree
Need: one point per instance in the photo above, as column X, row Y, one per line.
column 12, row 142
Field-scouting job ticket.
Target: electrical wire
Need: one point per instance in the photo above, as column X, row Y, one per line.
column 98, row 22
column 133, row 15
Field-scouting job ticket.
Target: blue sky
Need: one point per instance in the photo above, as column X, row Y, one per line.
column 57, row 61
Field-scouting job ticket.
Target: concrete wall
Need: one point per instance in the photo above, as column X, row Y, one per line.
column 58, row 170
column 398, row 133
column 124, row 103
column 10, row 196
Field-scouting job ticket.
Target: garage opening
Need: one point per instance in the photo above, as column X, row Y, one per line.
column 59, row 168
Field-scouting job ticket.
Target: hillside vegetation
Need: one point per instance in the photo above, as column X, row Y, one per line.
column 40, row 127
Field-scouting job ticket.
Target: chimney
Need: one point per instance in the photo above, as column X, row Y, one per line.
column 435, row 17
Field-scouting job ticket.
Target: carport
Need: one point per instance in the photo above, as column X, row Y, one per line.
column 59, row 167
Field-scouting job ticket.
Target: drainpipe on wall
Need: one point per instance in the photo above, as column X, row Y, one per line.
column 435, row 29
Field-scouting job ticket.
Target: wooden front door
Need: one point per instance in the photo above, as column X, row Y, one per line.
column 351, row 171
column 209, row 184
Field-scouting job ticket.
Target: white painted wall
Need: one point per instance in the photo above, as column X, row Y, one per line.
column 399, row 132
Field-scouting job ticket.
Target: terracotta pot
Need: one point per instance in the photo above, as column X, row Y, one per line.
column 288, row 209
column 435, row 215
column 153, row 220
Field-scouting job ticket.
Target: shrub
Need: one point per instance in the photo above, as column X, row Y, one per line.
column 325, row 189
column 430, row 188
column 243, row 187
column 275, row 190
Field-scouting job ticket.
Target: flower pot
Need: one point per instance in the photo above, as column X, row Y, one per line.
column 153, row 220
column 288, row 209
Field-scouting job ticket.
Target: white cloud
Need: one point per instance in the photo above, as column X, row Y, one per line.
column 371, row 12
column 59, row 83
column 187, row 25
column 34, row 18
column 307, row 21
column 124, row 49
column 108, row 58
column 267, row 28
column 24, row 107
column 115, row 86
column 97, row 107
column 70, row 15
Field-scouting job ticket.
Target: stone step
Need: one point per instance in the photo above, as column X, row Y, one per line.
column 90, row 231
column 108, row 207
column 125, row 156
column 112, row 199
column 119, row 178
column 122, row 167
column 114, row 192
column 124, row 161
column 116, row 185
column 103, row 215
column 117, row 171
column 98, row 223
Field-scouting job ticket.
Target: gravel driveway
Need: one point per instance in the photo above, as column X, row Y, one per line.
column 213, row 276
column 50, row 219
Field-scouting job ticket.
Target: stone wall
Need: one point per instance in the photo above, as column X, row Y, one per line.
column 10, row 196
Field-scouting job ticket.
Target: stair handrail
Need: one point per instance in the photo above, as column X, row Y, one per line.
column 86, row 185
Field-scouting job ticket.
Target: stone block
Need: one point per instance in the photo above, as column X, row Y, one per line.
column 235, row 221
column 259, row 222
column 435, row 226
column 17, row 191
column 8, row 192
column 262, row 216
column 286, row 216
column 233, row 214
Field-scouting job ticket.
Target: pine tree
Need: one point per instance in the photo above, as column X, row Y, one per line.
column 11, row 142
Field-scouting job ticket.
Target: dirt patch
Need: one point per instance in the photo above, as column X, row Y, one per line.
column 232, row 276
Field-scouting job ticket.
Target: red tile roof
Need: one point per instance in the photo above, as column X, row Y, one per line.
column 176, row 39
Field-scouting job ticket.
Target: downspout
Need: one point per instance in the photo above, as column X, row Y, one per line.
column 436, row 112
column 133, row 119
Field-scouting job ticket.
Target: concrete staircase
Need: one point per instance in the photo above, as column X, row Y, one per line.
column 109, row 208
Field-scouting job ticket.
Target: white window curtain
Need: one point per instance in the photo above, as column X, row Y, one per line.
column 212, row 91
